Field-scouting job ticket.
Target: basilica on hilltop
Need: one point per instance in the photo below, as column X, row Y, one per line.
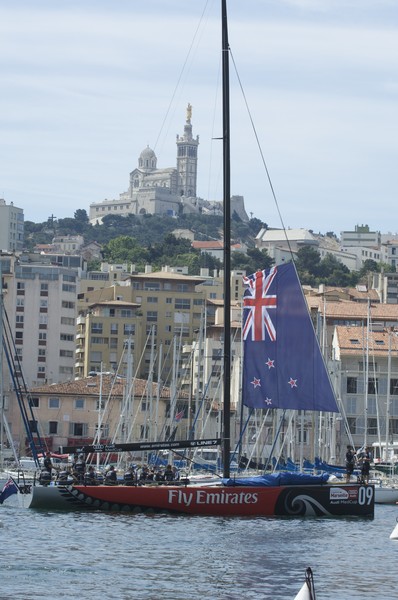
column 169, row 191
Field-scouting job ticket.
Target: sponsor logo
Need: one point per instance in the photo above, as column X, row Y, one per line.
column 200, row 497
column 338, row 494
column 343, row 495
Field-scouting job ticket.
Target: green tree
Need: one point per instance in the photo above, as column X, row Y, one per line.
column 308, row 264
column 81, row 216
column 252, row 261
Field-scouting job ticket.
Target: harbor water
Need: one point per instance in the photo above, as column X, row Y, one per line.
column 48, row 555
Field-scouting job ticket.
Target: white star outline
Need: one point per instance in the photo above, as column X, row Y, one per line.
column 256, row 382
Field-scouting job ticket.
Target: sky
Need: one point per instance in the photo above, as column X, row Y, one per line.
column 86, row 85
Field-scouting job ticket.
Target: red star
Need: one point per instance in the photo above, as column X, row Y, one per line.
column 292, row 382
column 256, row 382
column 270, row 363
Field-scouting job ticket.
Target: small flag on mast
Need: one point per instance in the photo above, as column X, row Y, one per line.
column 179, row 415
column 8, row 490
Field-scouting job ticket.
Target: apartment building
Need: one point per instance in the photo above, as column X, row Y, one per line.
column 40, row 307
column 11, row 227
column 367, row 383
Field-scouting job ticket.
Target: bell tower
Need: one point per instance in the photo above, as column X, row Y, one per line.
column 187, row 159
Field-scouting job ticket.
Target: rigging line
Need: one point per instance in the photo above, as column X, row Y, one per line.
column 181, row 74
column 262, row 157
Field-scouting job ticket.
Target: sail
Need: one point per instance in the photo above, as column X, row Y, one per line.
column 282, row 363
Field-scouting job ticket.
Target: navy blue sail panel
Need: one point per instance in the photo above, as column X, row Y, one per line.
column 282, row 363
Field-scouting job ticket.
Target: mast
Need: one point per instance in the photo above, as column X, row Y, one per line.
column 227, row 242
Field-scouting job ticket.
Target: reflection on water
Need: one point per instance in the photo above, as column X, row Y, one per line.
column 120, row 557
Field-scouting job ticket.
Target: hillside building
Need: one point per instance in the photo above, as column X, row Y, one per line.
column 11, row 227
column 167, row 191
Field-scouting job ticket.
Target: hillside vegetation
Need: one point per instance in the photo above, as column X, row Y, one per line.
column 148, row 239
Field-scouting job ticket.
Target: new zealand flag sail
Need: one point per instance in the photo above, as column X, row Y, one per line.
column 282, row 362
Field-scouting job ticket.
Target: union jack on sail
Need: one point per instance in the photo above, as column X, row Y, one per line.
column 257, row 302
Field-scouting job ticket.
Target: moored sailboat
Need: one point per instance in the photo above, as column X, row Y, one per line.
column 288, row 380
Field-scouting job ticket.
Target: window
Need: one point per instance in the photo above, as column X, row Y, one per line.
column 144, row 432
column 66, row 304
column 352, row 385
column 67, row 287
column 372, row 408
column 372, row 426
column 42, row 335
column 182, row 303
column 183, row 331
column 34, row 401
column 67, row 337
column 68, row 353
column 372, row 385
column 351, row 406
column 96, row 327
column 129, row 329
column 169, row 300
column 352, row 425
column 152, row 315
column 99, row 340
column 182, row 287
column 126, row 313
column 78, row 429
column 66, row 371
column 152, row 299
column 79, row 403
column 67, row 321
column 114, row 328
column 53, row 403
column 305, row 436
column 19, row 319
column 53, row 427
column 198, row 301
column 394, row 387
column 152, row 286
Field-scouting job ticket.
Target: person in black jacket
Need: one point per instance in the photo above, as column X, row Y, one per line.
column 349, row 463
column 47, row 463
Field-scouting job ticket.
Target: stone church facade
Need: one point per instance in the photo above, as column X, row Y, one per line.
column 170, row 191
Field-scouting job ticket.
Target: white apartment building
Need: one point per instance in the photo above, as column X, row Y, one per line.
column 11, row 227
column 40, row 306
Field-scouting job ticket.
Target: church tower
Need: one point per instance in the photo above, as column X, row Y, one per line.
column 187, row 159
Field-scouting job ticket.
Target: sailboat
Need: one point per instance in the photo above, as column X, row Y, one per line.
column 307, row 592
column 278, row 494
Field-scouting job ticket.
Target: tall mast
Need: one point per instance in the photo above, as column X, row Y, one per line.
column 227, row 243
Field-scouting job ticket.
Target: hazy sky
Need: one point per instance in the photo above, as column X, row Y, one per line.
column 87, row 84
